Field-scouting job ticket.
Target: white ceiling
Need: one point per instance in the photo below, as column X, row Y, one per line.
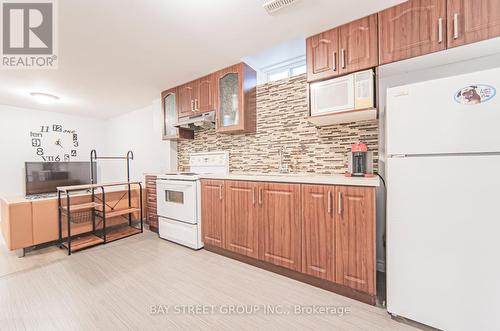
column 116, row 56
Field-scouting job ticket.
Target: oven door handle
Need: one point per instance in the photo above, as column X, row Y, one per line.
column 173, row 187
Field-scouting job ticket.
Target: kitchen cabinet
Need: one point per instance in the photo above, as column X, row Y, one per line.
column 345, row 49
column 358, row 45
column 259, row 220
column 236, row 99
column 318, row 231
column 241, row 221
column 279, row 224
column 186, row 104
column 206, row 94
column 151, row 203
column 198, row 96
column 213, row 212
column 355, row 238
column 323, row 231
column 413, row 28
column 169, row 107
column 322, row 55
column 472, row 20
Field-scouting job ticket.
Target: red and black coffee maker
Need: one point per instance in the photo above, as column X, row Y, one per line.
column 360, row 161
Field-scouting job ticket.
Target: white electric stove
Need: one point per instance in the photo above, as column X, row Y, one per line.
column 179, row 198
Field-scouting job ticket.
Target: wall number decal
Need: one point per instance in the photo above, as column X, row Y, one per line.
column 54, row 143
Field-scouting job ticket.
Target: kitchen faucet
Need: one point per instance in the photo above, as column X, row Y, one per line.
column 283, row 168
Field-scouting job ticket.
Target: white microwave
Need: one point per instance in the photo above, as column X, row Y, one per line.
column 346, row 93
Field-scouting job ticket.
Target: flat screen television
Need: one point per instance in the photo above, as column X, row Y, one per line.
column 45, row 177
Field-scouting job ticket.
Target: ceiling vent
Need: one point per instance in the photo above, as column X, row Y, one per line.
column 273, row 6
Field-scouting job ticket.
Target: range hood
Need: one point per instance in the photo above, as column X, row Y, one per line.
column 205, row 120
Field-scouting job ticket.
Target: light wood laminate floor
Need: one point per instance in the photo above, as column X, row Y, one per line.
column 114, row 287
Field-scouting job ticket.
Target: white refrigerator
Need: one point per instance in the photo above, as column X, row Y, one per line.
column 443, row 201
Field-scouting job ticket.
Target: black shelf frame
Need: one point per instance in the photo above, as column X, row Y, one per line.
column 101, row 214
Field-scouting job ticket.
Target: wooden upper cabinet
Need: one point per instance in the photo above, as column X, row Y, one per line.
column 358, row 45
column 355, row 238
column 413, row 28
column 169, row 106
column 212, row 212
column 241, row 224
column 322, row 55
column 280, row 225
column 198, row 96
column 186, row 98
column 472, row 20
column 236, row 99
column 318, row 225
column 206, row 96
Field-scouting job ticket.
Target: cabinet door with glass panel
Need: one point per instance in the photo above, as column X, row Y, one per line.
column 170, row 112
column 236, row 106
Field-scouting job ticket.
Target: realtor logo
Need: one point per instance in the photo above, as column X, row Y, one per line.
column 28, row 34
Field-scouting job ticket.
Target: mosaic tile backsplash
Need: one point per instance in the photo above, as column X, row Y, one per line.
column 281, row 121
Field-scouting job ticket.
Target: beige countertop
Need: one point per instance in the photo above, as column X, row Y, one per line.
column 299, row 178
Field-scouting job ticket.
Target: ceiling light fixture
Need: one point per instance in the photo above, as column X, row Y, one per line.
column 44, row 98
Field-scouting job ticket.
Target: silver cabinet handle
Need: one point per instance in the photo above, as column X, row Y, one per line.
column 196, row 105
column 455, row 26
column 260, row 196
column 192, row 105
column 335, row 61
column 253, row 196
column 342, row 58
column 220, row 192
column 440, row 30
column 339, row 201
column 329, row 202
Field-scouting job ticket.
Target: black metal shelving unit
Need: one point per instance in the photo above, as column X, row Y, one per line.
column 98, row 209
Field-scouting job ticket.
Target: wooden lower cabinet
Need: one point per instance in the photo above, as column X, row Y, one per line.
column 213, row 212
column 241, row 223
column 318, row 231
column 355, row 238
column 279, row 224
column 259, row 220
column 323, row 231
column 151, row 202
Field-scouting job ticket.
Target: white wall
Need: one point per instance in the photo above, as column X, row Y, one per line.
column 140, row 132
column 279, row 55
column 16, row 143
